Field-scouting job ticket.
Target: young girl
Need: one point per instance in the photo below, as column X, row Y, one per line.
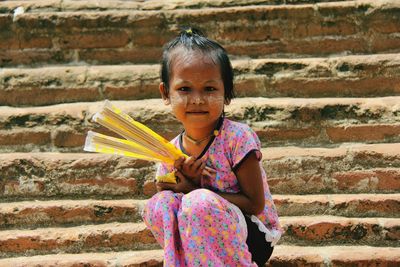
column 220, row 213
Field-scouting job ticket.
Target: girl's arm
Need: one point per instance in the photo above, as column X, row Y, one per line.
column 251, row 199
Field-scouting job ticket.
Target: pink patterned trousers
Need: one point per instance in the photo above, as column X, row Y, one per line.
column 198, row 229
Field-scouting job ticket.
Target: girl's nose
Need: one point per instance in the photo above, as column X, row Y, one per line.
column 197, row 99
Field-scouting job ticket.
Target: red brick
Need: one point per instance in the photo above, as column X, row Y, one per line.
column 61, row 212
column 43, row 96
column 76, row 239
column 68, row 138
column 94, row 39
column 150, row 258
column 149, row 188
column 273, row 134
column 100, row 186
column 23, row 137
column 110, row 56
column 380, row 180
column 338, row 230
column 34, row 56
column 385, row 43
column 351, row 133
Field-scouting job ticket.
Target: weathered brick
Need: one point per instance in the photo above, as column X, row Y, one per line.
column 358, row 181
column 67, row 212
column 149, row 188
column 351, row 205
column 251, row 30
column 23, row 137
column 112, row 56
column 389, row 43
column 319, row 77
column 284, row 255
column 273, row 134
column 335, row 230
column 94, row 39
column 334, row 256
column 34, row 56
column 118, row 236
column 351, row 133
column 67, row 137
column 153, row 258
column 6, row 21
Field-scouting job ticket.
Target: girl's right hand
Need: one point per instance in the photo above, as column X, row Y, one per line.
column 193, row 169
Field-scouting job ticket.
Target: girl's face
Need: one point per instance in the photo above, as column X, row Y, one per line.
column 196, row 91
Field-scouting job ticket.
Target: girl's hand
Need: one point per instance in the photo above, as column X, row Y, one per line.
column 191, row 168
column 184, row 185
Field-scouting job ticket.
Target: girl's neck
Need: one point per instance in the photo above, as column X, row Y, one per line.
column 202, row 136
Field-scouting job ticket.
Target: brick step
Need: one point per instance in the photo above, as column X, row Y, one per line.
column 30, row 215
column 278, row 122
column 283, row 255
column 311, row 230
column 331, row 230
column 87, row 5
column 346, row 76
column 87, row 238
column 290, row 170
column 34, row 214
column 134, row 36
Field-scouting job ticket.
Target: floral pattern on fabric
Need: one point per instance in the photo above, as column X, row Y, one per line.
column 211, row 229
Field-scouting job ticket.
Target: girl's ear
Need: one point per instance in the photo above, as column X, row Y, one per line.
column 164, row 94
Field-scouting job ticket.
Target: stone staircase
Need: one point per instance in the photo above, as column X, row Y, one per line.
column 318, row 80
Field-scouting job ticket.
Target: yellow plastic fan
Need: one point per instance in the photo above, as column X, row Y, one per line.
column 141, row 142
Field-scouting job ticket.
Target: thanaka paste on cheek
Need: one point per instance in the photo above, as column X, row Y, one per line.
column 179, row 100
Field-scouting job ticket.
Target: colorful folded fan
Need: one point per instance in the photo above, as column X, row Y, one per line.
column 141, row 142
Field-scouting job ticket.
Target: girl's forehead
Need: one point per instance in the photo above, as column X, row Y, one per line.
column 183, row 58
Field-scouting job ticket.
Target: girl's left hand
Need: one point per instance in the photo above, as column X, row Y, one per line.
column 183, row 185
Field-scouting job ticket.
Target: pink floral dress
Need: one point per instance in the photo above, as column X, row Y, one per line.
column 201, row 228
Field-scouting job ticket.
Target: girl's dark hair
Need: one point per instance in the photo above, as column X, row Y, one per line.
column 194, row 39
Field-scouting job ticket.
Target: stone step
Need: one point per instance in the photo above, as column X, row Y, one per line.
column 87, row 5
column 134, row 36
column 347, row 169
column 283, row 255
column 34, row 214
column 310, row 230
column 345, row 76
column 277, row 121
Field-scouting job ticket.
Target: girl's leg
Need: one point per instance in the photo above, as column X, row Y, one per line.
column 259, row 248
column 213, row 231
column 159, row 215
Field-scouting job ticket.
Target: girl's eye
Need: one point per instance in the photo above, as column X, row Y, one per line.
column 210, row 89
column 184, row 89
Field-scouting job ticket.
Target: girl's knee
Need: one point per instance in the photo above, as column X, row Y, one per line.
column 200, row 199
column 160, row 202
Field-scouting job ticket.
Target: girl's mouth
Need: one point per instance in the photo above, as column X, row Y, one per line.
column 197, row 112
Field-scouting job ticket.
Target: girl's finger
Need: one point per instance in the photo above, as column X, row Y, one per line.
column 189, row 161
column 178, row 163
column 166, row 186
column 207, row 173
column 210, row 170
column 196, row 165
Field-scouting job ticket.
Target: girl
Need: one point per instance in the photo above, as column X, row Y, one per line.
column 220, row 213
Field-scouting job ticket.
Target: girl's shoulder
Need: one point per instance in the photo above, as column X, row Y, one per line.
column 238, row 129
